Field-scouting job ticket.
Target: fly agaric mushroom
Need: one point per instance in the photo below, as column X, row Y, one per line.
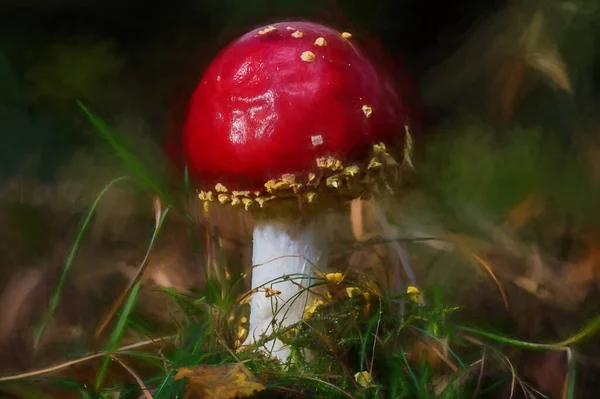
column 288, row 120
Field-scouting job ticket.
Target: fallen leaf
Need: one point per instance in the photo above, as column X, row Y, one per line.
column 226, row 381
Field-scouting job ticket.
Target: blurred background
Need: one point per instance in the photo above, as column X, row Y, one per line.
column 507, row 149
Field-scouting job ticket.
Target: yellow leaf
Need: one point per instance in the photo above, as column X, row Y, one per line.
column 364, row 379
column 226, row 381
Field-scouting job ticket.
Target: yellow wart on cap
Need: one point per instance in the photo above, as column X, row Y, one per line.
column 308, row 56
column 267, row 30
column 321, row 42
column 297, row 34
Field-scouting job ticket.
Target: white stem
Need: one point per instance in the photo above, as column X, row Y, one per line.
column 283, row 248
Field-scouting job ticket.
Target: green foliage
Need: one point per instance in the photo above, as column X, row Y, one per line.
column 147, row 168
column 469, row 168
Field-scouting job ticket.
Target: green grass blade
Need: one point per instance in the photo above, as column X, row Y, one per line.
column 122, row 321
column 69, row 263
column 363, row 348
column 413, row 376
column 117, row 333
column 137, row 168
column 159, row 392
column 571, row 377
column 591, row 328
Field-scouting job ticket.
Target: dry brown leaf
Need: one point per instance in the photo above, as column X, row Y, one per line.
column 226, row 381
column 550, row 64
column 524, row 212
column 536, row 51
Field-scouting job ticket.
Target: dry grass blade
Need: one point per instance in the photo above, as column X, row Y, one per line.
column 157, row 211
column 73, row 362
column 505, row 360
column 542, row 56
column 491, row 273
column 480, row 376
column 139, row 381
column 550, row 64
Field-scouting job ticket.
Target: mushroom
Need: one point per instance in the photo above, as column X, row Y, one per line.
column 289, row 120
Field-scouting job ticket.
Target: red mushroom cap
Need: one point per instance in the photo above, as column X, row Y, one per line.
column 281, row 96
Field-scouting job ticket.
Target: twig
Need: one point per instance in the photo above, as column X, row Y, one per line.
column 139, row 381
column 73, row 362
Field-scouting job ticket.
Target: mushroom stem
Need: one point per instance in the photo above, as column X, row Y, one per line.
column 285, row 255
